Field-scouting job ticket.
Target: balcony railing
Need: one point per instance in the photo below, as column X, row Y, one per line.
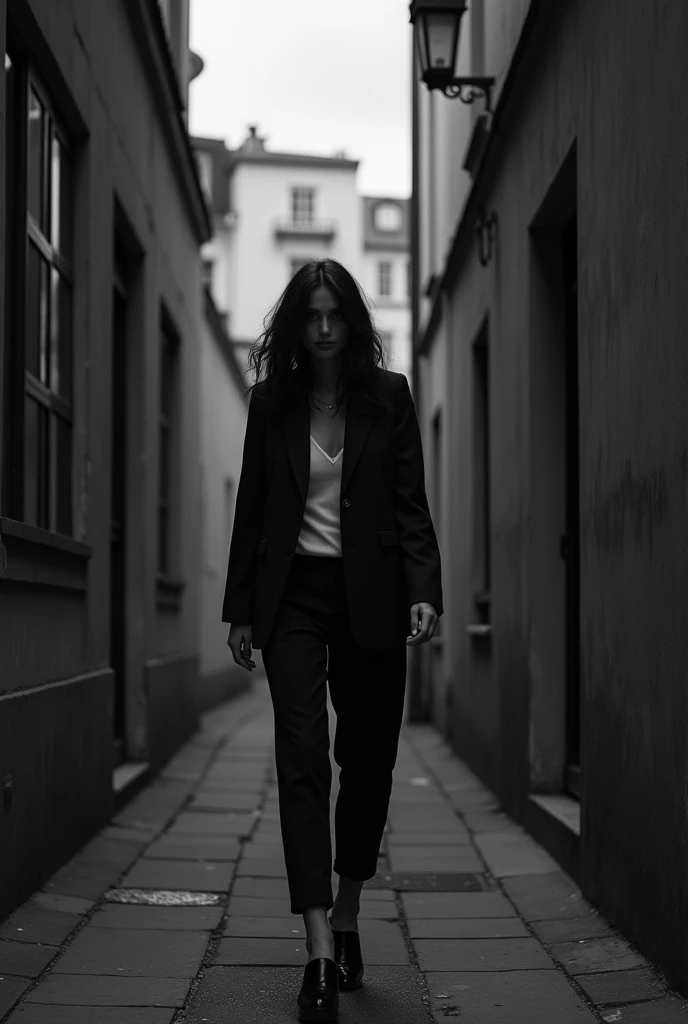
column 287, row 227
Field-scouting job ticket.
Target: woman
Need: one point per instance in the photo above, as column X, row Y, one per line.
column 332, row 550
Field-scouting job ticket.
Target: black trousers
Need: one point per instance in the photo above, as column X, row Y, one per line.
column 312, row 644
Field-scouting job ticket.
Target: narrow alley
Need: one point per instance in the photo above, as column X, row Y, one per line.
column 178, row 910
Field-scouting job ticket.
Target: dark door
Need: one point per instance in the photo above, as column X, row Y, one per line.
column 570, row 542
column 118, row 504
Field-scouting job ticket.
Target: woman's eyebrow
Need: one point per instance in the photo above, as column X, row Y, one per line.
column 312, row 309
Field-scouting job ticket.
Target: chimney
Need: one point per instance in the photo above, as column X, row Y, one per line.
column 253, row 143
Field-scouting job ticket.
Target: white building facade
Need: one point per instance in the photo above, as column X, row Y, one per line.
column 386, row 274
column 273, row 212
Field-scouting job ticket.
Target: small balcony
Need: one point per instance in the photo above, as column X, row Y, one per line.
column 287, row 227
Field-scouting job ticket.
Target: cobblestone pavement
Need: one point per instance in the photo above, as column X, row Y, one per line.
column 468, row 918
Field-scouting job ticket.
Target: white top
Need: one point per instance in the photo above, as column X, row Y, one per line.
column 320, row 533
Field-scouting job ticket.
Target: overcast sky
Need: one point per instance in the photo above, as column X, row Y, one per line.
column 316, row 76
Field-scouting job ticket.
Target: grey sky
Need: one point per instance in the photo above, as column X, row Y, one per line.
column 316, row 76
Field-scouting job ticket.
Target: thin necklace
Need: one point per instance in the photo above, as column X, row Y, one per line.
column 322, row 402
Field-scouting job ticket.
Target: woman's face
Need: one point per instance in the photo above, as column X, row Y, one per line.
column 325, row 331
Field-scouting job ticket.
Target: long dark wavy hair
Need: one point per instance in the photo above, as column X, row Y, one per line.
column 282, row 366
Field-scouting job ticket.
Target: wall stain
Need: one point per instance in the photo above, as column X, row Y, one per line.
column 643, row 500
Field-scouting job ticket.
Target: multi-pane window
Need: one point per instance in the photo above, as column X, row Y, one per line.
column 39, row 289
column 384, row 278
column 408, row 278
column 167, row 440
column 303, row 205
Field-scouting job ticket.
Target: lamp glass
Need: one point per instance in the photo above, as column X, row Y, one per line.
column 441, row 33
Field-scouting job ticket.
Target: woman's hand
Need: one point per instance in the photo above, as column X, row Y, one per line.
column 239, row 641
column 424, row 621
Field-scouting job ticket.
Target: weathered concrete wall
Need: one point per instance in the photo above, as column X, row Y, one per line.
column 614, row 86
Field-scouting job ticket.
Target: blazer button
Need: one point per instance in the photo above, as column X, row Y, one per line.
column 346, row 503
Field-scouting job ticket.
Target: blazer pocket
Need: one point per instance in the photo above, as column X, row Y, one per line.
column 388, row 537
column 262, row 544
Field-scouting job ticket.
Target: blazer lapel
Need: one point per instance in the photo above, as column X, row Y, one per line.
column 296, row 432
column 355, row 436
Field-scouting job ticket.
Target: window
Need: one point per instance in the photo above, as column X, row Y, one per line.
column 167, row 455
column 388, row 217
column 408, row 278
column 386, row 338
column 207, row 268
column 39, row 315
column 384, row 278
column 303, row 205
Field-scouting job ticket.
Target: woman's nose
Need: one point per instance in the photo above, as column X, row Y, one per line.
column 324, row 326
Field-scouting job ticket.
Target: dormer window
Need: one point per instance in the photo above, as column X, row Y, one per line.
column 388, row 217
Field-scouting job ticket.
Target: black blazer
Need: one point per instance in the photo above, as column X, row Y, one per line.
column 390, row 553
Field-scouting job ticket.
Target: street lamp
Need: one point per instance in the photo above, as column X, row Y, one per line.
column 437, row 25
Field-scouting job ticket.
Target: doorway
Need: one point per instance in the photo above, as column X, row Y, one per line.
column 118, row 505
column 570, row 544
column 555, row 707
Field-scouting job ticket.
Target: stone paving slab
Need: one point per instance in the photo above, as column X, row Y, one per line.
column 611, row 954
column 573, row 929
column 196, row 824
column 260, row 887
column 616, row 987
column 65, row 904
column 468, row 928
column 264, row 848
column 199, row 876
column 33, row 923
column 82, row 990
column 214, row 848
column 255, row 906
column 466, row 860
column 265, row 927
column 666, row 1011
column 261, row 952
column 90, row 1015
column 548, row 897
column 239, row 995
column 224, row 800
column 513, row 852
column 134, row 953
column 457, row 836
column 24, row 958
column 456, row 904
column 88, row 881
column 481, row 955
column 11, row 989
column 262, row 867
column 153, row 918
column 510, row 997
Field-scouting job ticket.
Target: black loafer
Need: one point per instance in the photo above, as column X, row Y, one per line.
column 319, row 995
column 347, row 953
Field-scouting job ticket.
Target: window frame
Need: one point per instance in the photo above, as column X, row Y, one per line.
column 167, row 506
column 297, row 214
column 384, row 279
column 53, row 510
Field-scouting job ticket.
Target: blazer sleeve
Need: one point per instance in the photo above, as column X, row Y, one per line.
column 238, row 601
column 420, row 550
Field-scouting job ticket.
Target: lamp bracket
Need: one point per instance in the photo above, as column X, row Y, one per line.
column 465, row 89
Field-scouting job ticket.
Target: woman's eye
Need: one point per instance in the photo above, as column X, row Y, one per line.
column 312, row 316
column 336, row 315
